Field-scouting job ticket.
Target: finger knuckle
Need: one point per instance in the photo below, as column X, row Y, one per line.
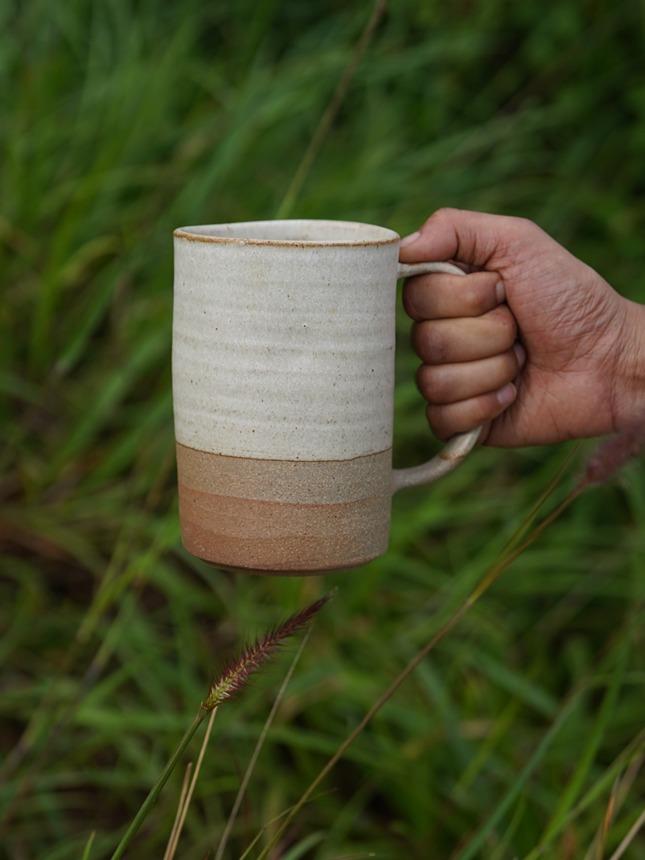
column 445, row 213
column 523, row 227
column 408, row 301
column 474, row 300
column 524, row 230
column 429, row 342
column 505, row 322
column 431, row 383
column 417, row 337
column 484, row 408
column 437, row 421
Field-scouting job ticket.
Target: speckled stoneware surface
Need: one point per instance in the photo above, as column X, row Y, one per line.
column 283, row 375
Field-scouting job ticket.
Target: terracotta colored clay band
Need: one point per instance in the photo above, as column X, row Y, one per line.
column 274, row 515
column 295, row 481
column 271, row 535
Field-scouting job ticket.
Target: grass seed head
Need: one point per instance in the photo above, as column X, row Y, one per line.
column 612, row 454
column 237, row 673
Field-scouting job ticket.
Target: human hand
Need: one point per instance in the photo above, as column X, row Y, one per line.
column 532, row 340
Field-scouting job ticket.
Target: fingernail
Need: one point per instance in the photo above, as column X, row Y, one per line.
column 506, row 395
column 500, row 292
column 410, row 239
column 520, row 354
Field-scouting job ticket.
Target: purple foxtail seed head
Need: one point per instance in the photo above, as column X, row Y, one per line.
column 237, row 673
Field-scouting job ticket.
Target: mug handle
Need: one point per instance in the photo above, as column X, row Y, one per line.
column 457, row 448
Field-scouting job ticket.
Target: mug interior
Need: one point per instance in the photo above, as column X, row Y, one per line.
column 290, row 232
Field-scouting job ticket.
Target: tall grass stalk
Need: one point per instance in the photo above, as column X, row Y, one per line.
column 219, row 854
column 489, row 578
column 230, row 682
column 279, row 817
column 619, row 791
column 476, row 844
column 174, row 839
column 155, row 791
column 329, row 114
column 629, row 837
column 87, row 850
column 180, row 805
column 631, row 756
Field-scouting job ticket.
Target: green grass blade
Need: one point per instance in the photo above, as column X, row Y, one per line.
column 88, row 846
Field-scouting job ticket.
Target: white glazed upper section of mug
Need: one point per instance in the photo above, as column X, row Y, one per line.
column 291, row 232
column 283, row 339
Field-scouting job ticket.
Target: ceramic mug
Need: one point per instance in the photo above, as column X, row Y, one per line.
column 283, row 384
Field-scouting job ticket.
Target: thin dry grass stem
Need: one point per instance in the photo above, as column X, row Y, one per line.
column 272, row 821
column 329, row 115
column 598, row 850
column 629, row 837
column 529, row 517
column 180, row 806
column 489, row 578
column 619, row 792
column 219, row 854
column 155, row 791
column 231, row 681
column 172, row 845
column 628, row 762
column 236, row 675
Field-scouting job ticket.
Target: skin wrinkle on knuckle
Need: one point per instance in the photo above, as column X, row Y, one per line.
column 421, row 379
column 437, row 425
column 448, row 297
column 463, row 416
column 487, row 407
column 474, row 301
column 444, row 213
column 502, row 370
column 418, row 298
column 523, row 228
column 431, row 383
column 431, row 345
column 418, row 338
column 505, row 325
column 408, row 302
column 436, row 348
column 458, row 381
column 447, row 215
column 433, row 220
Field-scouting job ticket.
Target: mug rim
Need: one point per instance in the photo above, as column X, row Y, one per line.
column 368, row 235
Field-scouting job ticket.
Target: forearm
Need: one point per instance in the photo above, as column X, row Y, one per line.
column 628, row 391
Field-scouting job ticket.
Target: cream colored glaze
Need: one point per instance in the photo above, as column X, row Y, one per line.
column 284, row 351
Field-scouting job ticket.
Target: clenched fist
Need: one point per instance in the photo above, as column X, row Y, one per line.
column 532, row 340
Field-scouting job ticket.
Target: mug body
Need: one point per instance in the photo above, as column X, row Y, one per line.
column 283, row 377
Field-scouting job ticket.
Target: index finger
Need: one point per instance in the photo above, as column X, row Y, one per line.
column 442, row 296
column 476, row 238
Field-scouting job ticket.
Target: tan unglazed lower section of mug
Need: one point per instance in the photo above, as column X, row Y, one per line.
column 284, row 516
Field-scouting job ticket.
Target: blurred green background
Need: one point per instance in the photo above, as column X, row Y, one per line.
column 122, row 120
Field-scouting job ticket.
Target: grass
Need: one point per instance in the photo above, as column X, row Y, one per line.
column 514, row 738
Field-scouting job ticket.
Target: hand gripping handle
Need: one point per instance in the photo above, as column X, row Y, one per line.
column 456, row 449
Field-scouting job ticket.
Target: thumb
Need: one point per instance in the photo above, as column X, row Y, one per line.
column 458, row 234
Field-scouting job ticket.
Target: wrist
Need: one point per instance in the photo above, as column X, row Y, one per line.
column 628, row 386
